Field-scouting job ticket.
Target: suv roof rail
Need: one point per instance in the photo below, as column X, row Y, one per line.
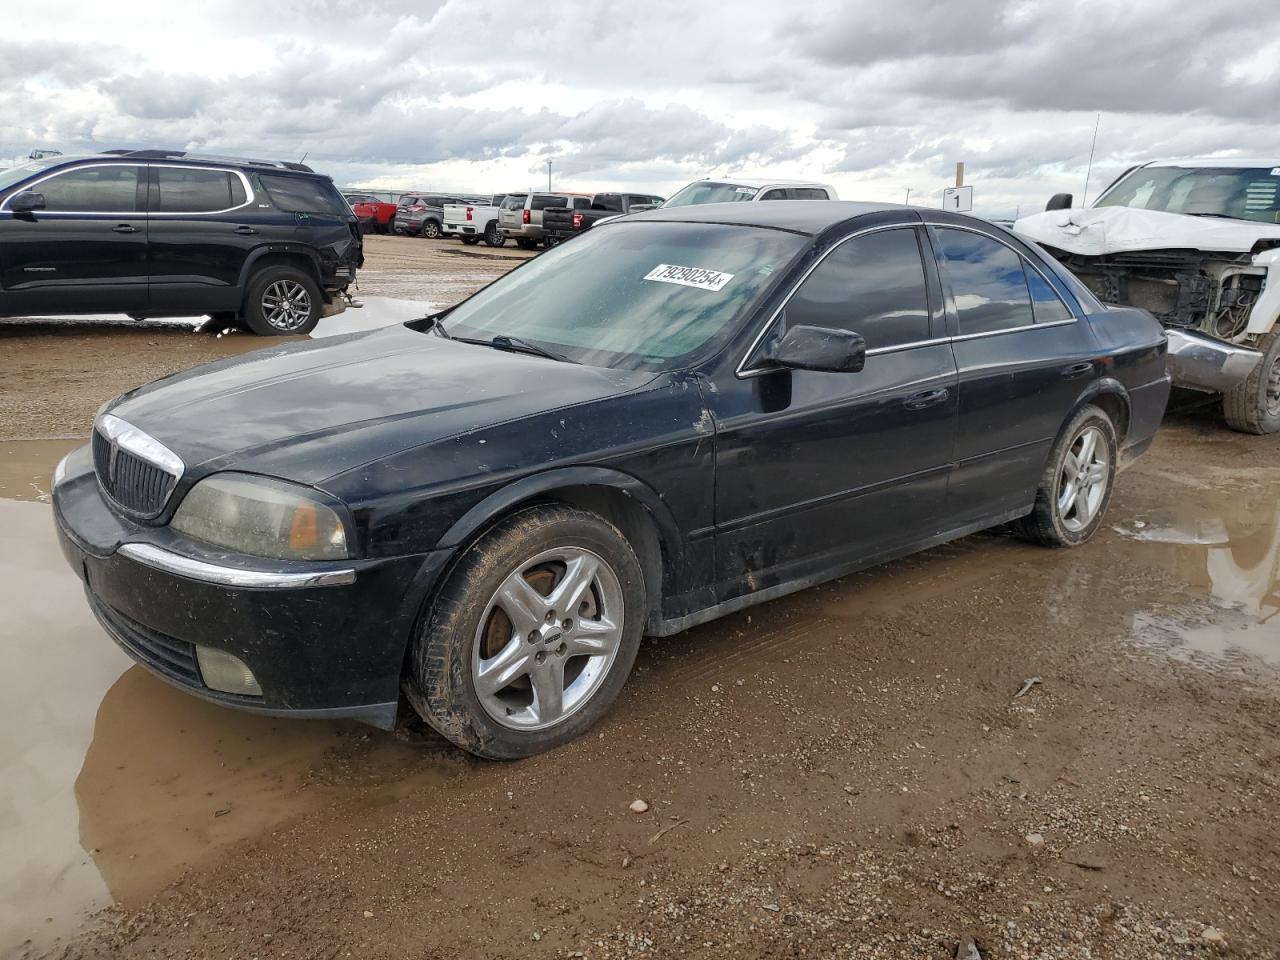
column 183, row 155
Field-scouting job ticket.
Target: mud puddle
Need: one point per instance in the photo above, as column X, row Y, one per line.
column 1223, row 543
column 114, row 782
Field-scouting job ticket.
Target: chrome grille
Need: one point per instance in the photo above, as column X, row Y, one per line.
column 136, row 471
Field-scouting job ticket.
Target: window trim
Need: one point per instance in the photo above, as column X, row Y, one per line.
column 132, row 214
column 742, row 371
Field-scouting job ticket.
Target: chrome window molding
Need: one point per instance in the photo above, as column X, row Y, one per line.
column 135, row 214
column 192, row 569
column 743, row 372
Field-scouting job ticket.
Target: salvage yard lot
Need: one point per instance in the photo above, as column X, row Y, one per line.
column 844, row 772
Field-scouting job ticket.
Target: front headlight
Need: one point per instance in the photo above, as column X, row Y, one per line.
column 262, row 517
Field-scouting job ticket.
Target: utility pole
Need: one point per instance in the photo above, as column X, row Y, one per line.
column 908, row 200
column 548, row 176
column 1084, row 199
column 960, row 174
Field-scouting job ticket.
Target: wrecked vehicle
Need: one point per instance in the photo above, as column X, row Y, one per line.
column 1196, row 242
column 684, row 412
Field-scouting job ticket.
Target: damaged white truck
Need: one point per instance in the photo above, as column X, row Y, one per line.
column 1197, row 243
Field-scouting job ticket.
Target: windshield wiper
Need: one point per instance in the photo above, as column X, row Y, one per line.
column 510, row 344
column 1220, row 216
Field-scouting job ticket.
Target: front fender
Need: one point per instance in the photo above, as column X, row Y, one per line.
column 1266, row 312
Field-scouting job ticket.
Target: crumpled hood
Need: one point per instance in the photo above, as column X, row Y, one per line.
column 1101, row 230
column 309, row 411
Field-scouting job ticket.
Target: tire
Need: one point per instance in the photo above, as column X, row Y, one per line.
column 550, row 242
column 524, row 243
column 468, row 624
column 1056, row 520
column 1254, row 406
column 431, row 229
column 470, row 241
column 271, row 285
column 493, row 236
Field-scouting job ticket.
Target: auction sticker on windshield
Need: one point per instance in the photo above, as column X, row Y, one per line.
column 712, row 280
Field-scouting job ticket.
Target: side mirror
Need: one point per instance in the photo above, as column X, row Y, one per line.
column 26, row 202
column 1059, row 201
column 819, row 348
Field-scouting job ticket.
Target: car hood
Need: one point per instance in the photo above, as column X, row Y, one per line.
column 1097, row 231
column 309, row 411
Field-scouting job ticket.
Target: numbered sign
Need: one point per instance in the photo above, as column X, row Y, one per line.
column 957, row 199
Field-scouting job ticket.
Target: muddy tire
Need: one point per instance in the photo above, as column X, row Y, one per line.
column 282, row 302
column 493, row 236
column 1254, row 406
column 532, row 635
column 1075, row 489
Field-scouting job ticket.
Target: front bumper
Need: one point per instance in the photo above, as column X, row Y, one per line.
column 1200, row 362
column 323, row 640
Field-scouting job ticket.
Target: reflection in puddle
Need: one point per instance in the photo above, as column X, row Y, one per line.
column 1229, row 557
column 26, row 467
column 113, row 781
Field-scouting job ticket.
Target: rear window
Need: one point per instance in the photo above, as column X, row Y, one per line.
column 514, row 202
column 303, row 194
column 542, row 202
column 190, row 190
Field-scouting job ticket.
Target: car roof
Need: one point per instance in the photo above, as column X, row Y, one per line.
column 759, row 183
column 799, row 216
column 1228, row 162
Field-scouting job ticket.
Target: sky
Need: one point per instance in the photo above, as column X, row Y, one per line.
column 872, row 96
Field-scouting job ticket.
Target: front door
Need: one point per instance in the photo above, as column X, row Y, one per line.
column 819, row 472
column 84, row 250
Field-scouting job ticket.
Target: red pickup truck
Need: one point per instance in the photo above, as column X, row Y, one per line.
column 373, row 214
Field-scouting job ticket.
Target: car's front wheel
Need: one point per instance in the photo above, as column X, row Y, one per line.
column 531, row 638
column 1254, row 406
column 282, row 301
column 1076, row 487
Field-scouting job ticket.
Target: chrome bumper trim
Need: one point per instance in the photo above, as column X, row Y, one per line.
column 175, row 563
column 1203, row 363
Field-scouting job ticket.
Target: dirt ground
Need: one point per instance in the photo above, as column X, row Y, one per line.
column 847, row 772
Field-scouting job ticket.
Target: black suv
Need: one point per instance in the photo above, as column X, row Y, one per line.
column 151, row 233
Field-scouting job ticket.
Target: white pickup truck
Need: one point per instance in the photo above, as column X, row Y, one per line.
column 471, row 222
column 1196, row 242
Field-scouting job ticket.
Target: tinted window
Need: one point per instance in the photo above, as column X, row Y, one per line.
column 873, row 285
column 810, row 193
column 542, row 202
column 1045, row 303
column 776, row 194
column 514, row 202
column 582, row 203
column 987, row 282
column 301, row 194
column 182, row 190
column 105, row 189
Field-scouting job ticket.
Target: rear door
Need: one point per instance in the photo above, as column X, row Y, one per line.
column 1023, row 361
column 86, row 250
column 202, row 230
column 817, row 471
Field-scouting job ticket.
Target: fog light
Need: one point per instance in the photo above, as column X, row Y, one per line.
column 221, row 671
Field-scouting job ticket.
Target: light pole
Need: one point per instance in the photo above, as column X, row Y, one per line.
column 548, row 176
column 908, row 200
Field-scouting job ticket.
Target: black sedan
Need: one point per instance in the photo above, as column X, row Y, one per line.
column 686, row 412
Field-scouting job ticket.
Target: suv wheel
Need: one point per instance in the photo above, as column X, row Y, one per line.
column 282, row 301
column 532, row 636
column 430, row 229
column 494, row 237
column 1254, row 406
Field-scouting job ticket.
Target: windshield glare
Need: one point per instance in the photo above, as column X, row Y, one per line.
column 620, row 295
column 1240, row 193
column 706, row 192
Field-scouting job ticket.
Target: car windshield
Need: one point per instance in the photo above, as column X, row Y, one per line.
column 1241, row 193
column 23, row 170
column 631, row 295
column 706, row 192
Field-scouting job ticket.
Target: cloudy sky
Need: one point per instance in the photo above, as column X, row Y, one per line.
column 874, row 96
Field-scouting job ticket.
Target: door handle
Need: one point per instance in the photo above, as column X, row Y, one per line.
column 124, row 228
column 926, row 399
column 1077, row 370
column 245, row 230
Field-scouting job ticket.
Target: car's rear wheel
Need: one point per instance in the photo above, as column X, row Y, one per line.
column 282, row 301
column 1254, row 406
column 532, row 636
column 493, row 236
column 1076, row 487
column 430, row 229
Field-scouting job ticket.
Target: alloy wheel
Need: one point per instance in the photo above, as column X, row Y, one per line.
column 548, row 638
column 286, row 305
column 1082, row 483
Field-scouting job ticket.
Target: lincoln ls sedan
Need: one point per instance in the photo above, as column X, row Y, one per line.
column 685, row 412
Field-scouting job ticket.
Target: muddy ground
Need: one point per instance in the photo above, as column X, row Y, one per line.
column 846, row 772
